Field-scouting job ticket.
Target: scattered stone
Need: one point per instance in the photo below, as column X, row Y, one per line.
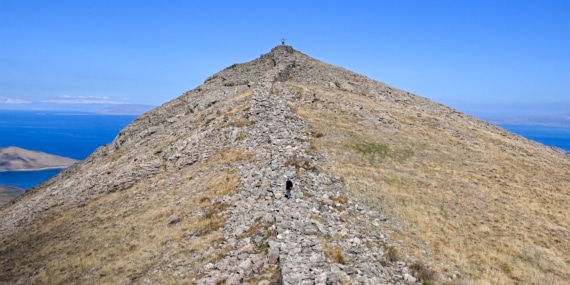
column 306, row 239
column 173, row 220
column 409, row 279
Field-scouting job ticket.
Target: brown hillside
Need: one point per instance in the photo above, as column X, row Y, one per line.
column 8, row 193
column 389, row 188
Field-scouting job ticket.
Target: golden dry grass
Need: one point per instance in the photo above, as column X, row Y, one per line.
column 158, row 232
column 475, row 201
column 334, row 253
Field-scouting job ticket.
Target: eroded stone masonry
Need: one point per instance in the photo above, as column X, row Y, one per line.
column 319, row 236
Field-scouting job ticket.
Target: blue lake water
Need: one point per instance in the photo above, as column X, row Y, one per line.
column 550, row 136
column 74, row 135
column 26, row 179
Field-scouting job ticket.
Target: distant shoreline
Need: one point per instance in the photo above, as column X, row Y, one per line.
column 38, row 169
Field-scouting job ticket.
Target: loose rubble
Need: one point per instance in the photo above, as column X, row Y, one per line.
column 318, row 236
column 295, row 231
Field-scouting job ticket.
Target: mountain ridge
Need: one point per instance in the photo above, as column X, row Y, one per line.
column 386, row 187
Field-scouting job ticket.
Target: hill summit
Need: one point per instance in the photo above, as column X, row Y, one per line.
column 388, row 188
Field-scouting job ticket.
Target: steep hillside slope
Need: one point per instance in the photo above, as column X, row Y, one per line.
column 484, row 204
column 15, row 158
column 192, row 192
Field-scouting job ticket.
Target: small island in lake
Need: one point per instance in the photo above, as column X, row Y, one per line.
column 18, row 159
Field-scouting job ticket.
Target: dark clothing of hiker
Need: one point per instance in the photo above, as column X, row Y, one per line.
column 288, row 188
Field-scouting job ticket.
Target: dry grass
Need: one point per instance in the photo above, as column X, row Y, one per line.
column 159, row 232
column 342, row 199
column 334, row 253
column 300, row 161
column 424, row 274
column 392, row 254
column 486, row 206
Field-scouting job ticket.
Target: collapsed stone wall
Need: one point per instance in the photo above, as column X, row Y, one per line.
column 295, row 234
column 319, row 236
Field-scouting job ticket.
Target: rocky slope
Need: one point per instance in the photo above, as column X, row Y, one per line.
column 15, row 158
column 192, row 191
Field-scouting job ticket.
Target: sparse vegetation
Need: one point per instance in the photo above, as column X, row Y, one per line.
column 240, row 122
column 142, row 231
column 424, row 274
column 378, row 151
column 211, row 220
column 373, row 149
column 483, row 206
column 339, row 202
column 318, row 134
column 342, row 199
column 307, row 195
column 334, row 253
column 392, row 254
column 300, row 162
column 472, row 196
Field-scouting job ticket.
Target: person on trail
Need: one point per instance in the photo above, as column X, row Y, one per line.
column 288, row 187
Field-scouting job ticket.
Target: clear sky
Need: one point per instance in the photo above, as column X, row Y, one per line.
column 460, row 53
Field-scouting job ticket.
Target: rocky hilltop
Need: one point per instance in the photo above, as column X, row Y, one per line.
column 18, row 159
column 388, row 188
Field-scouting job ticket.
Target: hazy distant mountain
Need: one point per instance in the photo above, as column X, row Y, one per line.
column 554, row 121
column 389, row 188
column 15, row 158
column 543, row 114
column 124, row 109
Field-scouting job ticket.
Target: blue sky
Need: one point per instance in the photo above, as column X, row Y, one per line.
column 466, row 54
